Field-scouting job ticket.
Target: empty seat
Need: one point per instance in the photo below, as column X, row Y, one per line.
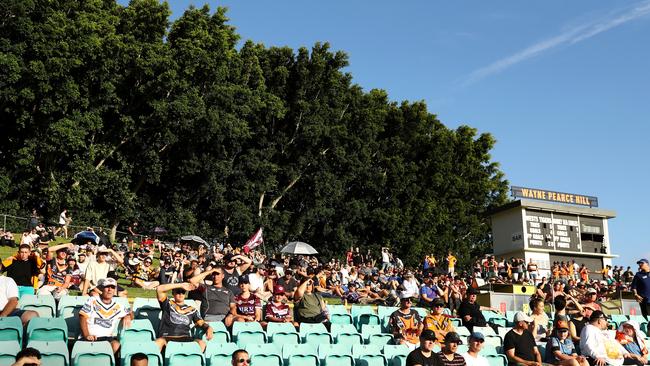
column 314, row 333
column 335, row 354
column 497, row 360
column 487, row 331
column 52, row 353
column 248, row 333
column 339, row 314
column 422, row 311
column 149, row 348
column 92, row 354
column 147, row 309
column 372, row 334
column 493, row 340
column 368, row 355
column 183, row 354
column 300, row 354
column 218, row 354
column 618, row 319
column 282, row 333
column 489, row 350
column 462, row 331
column 11, row 329
column 219, row 332
column 44, row 305
column 68, row 310
column 457, row 322
column 396, row 354
column 8, row 351
column 346, row 333
column 47, row 329
column 139, row 331
column 384, row 312
column 364, row 315
column 268, row 354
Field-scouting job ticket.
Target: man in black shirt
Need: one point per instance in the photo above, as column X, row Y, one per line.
column 288, row 282
column 519, row 343
column 217, row 300
column 470, row 312
column 23, row 268
column 424, row 355
column 234, row 267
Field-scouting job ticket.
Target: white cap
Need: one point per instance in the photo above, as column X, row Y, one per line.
column 520, row 316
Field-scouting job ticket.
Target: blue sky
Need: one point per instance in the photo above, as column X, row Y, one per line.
column 563, row 86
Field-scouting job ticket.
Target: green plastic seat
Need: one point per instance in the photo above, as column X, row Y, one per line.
column 497, row 360
column 339, row 314
column 618, row 319
column 11, row 329
column 372, row 335
column 264, row 349
column 335, row 354
column 489, row 350
column 462, row 348
column 384, row 312
column 47, row 329
column 92, row 354
column 314, row 333
column 463, row 332
column 219, row 332
column 487, row 331
column 282, row 333
column 300, row 354
column 422, row 311
column 363, row 315
column 346, row 333
column 52, row 353
column 44, row 305
column 140, row 330
column 493, row 340
column 149, row 348
column 396, row 354
column 183, row 354
column 359, row 350
column 8, row 351
column 219, row 354
column 248, row 333
column 147, row 309
column 68, row 309
column 457, row 322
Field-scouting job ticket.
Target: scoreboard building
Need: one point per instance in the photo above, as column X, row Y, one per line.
column 549, row 226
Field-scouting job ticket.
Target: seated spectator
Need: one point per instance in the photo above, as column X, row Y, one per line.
column 100, row 315
column 438, row 322
column 28, row 357
column 519, row 343
column 145, row 275
column 405, row 324
column 410, row 286
column 597, row 347
column 590, row 299
column 470, row 312
column 9, row 301
column 309, row 306
column 217, row 300
column 374, row 287
column 276, row 310
column 240, row 358
column 176, row 316
column 7, row 239
column 448, row 353
column 24, row 268
column 353, row 296
column 248, row 307
column 139, row 359
column 475, row 344
column 428, row 293
column 334, row 285
column 424, row 355
column 560, row 349
column 633, row 340
column 539, row 326
column 58, row 278
column 75, row 273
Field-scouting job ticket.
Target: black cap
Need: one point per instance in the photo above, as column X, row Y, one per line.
column 453, row 337
column 428, row 335
column 472, row 291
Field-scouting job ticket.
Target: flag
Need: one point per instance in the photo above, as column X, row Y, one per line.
column 254, row 241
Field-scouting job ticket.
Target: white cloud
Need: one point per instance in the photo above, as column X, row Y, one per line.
column 571, row 36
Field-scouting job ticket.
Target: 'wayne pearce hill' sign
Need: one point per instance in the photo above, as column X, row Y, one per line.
column 553, row 196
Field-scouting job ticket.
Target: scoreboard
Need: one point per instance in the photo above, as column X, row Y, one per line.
column 553, row 231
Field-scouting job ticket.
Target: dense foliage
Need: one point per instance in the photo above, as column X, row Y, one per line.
column 119, row 114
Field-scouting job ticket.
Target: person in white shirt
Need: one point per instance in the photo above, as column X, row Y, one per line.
column 9, row 301
column 599, row 349
column 411, row 286
column 475, row 344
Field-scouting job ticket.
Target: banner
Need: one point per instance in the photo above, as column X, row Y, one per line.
column 254, row 241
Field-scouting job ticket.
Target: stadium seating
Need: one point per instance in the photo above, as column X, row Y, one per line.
column 462, row 331
column 248, row 333
column 339, row 314
column 44, row 305
column 485, row 330
column 52, row 353
column 140, row 330
column 149, row 348
column 92, row 354
column 300, row 354
column 384, row 312
column 346, row 333
column 218, row 354
column 497, row 360
column 68, row 309
column 493, row 340
column 147, row 309
column 362, row 315
column 265, row 354
column 368, row 355
column 372, row 335
column 11, row 329
column 183, row 354
column 395, row 354
column 314, row 333
column 335, row 354
column 219, row 332
column 8, row 351
column 47, row 329
column 422, row 311
column 282, row 333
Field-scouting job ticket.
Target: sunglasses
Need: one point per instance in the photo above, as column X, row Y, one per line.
column 247, row 360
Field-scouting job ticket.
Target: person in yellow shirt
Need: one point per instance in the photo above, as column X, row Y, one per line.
column 438, row 322
column 451, row 260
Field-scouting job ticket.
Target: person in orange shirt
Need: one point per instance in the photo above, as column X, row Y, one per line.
column 584, row 274
column 556, row 272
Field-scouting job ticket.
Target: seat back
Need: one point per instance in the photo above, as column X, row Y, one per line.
column 282, row 333
column 219, row 332
column 149, row 348
column 92, row 354
column 487, row 331
column 463, row 332
column 362, row 315
column 310, row 351
column 346, row 333
column 248, row 333
column 11, row 329
column 359, row 350
column 497, row 360
column 218, row 354
column 68, row 309
column 183, row 353
column 314, row 333
column 396, row 354
column 8, row 351
column 44, row 305
column 325, row 350
column 47, row 329
column 53, row 353
column 147, row 309
column 140, row 330
column 339, row 314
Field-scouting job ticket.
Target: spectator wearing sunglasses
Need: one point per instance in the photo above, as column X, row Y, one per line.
column 240, row 358
column 560, row 349
column 100, row 315
column 474, row 347
column 437, row 321
column 599, row 349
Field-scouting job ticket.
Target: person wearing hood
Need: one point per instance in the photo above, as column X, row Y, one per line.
column 633, row 340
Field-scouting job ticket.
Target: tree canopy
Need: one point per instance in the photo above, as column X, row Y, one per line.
column 119, row 114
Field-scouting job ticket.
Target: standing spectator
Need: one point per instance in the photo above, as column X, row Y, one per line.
column 424, row 355
column 405, row 324
column 176, row 316
column 451, row 264
column 475, row 344
column 448, row 354
column 24, row 268
column 100, row 315
column 64, row 221
column 97, row 270
column 385, row 259
column 9, row 301
column 641, row 286
column 519, row 343
column 437, row 321
column 217, row 300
